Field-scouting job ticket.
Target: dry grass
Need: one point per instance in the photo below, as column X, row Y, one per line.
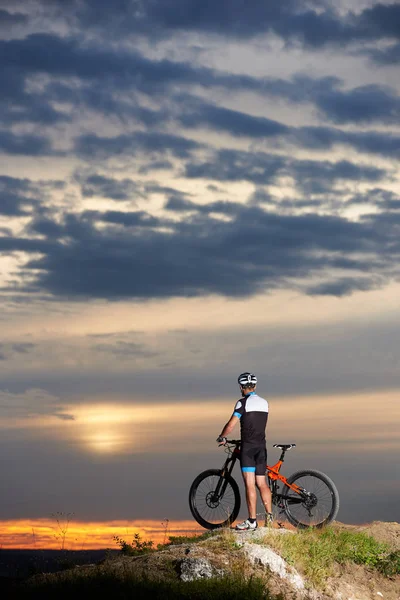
column 318, row 554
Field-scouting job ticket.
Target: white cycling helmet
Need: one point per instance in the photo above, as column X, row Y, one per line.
column 247, row 379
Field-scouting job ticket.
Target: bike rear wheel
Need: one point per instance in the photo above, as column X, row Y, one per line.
column 214, row 499
column 316, row 506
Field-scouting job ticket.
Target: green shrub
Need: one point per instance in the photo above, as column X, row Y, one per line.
column 389, row 564
column 137, row 547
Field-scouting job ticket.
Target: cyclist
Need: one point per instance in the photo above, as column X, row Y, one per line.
column 252, row 410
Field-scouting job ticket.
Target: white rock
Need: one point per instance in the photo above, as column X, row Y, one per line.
column 268, row 558
column 195, row 568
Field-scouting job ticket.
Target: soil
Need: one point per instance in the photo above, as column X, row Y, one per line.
column 388, row 533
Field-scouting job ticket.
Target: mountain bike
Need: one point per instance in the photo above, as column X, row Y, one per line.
column 308, row 498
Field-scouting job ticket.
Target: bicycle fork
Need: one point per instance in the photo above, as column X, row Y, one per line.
column 223, row 481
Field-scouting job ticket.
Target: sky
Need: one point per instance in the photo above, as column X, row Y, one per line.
column 190, row 190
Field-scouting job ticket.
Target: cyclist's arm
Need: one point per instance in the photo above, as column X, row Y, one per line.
column 229, row 426
column 237, row 413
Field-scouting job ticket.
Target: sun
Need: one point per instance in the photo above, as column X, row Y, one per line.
column 105, row 442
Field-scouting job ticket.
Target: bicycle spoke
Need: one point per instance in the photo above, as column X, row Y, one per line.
column 212, row 507
column 316, row 503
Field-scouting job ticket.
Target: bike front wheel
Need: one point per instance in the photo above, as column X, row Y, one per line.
column 318, row 503
column 214, row 499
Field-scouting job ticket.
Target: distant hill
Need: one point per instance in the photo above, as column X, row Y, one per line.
column 24, row 563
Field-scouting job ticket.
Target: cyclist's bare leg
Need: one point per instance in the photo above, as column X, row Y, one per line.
column 265, row 492
column 251, row 493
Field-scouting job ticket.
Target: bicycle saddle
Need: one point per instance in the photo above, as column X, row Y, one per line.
column 284, row 446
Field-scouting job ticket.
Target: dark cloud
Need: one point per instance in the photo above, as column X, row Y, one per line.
column 25, row 144
column 107, row 187
column 344, row 286
column 203, row 255
column 262, row 169
column 71, row 57
column 44, row 225
column 237, row 165
column 153, row 143
column 18, row 105
column 179, row 204
column 381, row 20
column 236, row 123
column 103, row 66
column 326, row 138
column 313, row 24
column 19, row 197
column 155, row 165
column 386, row 56
column 109, row 81
column 239, row 124
column 363, row 104
column 377, row 197
column 116, row 254
column 317, row 177
column 16, row 196
column 8, row 19
column 10, row 244
column 127, row 219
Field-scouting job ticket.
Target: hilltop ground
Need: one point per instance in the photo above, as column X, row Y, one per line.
column 342, row 562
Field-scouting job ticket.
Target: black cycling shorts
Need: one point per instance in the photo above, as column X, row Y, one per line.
column 253, row 459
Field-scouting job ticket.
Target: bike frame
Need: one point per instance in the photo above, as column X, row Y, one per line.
column 272, row 472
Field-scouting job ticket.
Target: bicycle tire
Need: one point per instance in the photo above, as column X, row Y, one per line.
column 225, row 514
column 325, row 494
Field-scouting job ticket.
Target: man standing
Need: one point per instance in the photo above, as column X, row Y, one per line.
column 252, row 410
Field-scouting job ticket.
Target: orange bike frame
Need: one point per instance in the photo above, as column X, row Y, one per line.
column 273, row 473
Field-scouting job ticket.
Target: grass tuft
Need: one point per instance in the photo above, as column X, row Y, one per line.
column 316, row 552
column 189, row 539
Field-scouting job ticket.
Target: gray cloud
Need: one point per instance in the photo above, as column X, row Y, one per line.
column 107, row 187
column 313, row 24
column 25, row 144
column 31, row 403
column 127, row 219
column 125, row 350
column 262, row 168
column 239, row 124
column 202, row 255
column 386, row 56
column 121, row 71
column 153, row 143
column 16, row 196
column 8, row 19
column 19, row 197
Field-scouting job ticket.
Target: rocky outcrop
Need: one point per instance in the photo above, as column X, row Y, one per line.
column 197, row 568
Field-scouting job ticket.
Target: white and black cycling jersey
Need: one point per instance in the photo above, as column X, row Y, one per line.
column 252, row 410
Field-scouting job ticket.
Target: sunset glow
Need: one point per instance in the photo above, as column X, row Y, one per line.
column 40, row 534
